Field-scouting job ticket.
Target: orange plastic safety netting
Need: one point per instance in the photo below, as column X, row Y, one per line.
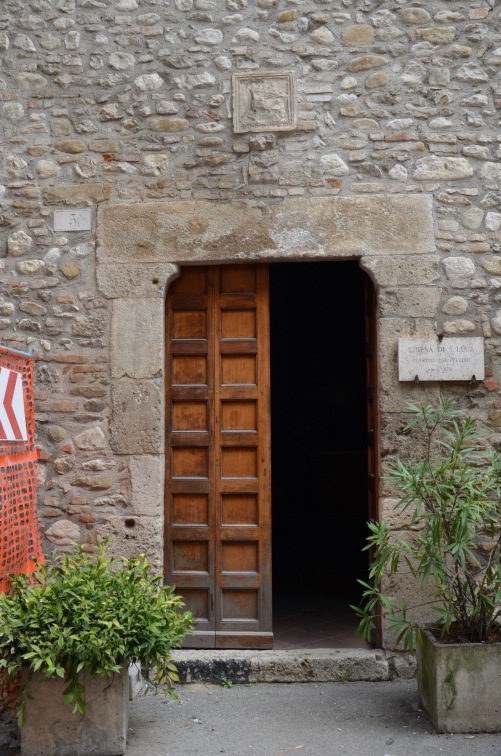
column 19, row 528
column 20, row 538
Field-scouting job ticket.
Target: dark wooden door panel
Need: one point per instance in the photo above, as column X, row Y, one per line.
column 190, row 550
column 218, row 550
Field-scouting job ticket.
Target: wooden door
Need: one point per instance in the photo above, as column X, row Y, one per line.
column 218, row 528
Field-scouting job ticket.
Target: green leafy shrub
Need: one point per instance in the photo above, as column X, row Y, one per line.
column 453, row 497
column 89, row 612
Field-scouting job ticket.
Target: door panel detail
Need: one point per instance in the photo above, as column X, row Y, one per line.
column 218, row 550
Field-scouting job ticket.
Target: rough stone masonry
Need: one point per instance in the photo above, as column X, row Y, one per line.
column 126, row 107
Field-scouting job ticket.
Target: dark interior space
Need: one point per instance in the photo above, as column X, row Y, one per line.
column 319, row 449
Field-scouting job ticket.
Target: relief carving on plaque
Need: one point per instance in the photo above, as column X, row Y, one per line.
column 264, row 102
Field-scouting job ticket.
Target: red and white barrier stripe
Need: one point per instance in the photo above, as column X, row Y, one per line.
column 12, row 416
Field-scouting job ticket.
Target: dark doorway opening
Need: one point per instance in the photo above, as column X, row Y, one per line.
column 319, row 451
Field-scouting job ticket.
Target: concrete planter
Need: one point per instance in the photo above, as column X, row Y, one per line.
column 459, row 684
column 51, row 728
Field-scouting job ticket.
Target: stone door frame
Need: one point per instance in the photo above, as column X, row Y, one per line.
column 142, row 247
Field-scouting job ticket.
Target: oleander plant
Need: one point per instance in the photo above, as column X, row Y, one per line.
column 452, row 496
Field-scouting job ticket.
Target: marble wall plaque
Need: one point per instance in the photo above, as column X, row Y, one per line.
column 73, row 220
column 452, row 359
column 264, row 102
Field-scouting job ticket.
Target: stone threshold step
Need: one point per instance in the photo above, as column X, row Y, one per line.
column 289, row 666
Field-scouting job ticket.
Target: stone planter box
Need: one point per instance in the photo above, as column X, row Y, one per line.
column 51, row 728
column 459, row 684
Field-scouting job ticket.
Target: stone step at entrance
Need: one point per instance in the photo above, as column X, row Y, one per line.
column 289, row 666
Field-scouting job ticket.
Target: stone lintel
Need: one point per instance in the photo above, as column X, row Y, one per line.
column 323, row 228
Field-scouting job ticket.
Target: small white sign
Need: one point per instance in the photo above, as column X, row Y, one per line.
column 452, row 359
column 73, row 220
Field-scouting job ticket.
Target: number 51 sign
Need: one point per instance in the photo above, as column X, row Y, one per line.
column 73, row 220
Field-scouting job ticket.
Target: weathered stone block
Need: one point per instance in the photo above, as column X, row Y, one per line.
column 460, row 326
column 334, row 165
column 330, row 227
column 410, row 301
column 177, row 231
column 434, row 168
column 458, row 267
column 93, row 482
column 405, row 587
column 51, row 729
column 455, row 306
column 398, row 519
column 134, row 280
column 89, row 391
column 492, row 264
column 414, row 16
column 70, row 270
column 121, row 61
column 402, row 270
column 320, row 665
column 89, row 326
column 168, row 124
column 457, row 684
column 92, row 438
column 360, row 34
column 263, row 167
column 73, row 146
column 366, row 63
column 19, row 244
column 77, row 194
column 133, row 535
column 393, row 394
column 56, row 433
column 147, row 484
column 63, row 533
column 137, row 329
column 438, row 36
column 30, row 267
column 137, row 417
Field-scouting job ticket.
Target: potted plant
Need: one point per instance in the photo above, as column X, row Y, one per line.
column 68, row 633
column 450, row 498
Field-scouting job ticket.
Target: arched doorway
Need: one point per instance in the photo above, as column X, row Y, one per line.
column 218, row 495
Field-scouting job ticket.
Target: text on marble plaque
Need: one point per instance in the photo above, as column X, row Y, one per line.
column 451, row 359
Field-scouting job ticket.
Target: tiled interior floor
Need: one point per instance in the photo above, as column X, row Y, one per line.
column 314, row 622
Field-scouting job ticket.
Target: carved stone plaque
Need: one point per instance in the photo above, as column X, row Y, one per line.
column 453, row 359
column 264, row 102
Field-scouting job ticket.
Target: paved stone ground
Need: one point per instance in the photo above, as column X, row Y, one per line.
column 318, row 719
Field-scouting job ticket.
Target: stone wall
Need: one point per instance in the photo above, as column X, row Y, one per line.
column 116, row 104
